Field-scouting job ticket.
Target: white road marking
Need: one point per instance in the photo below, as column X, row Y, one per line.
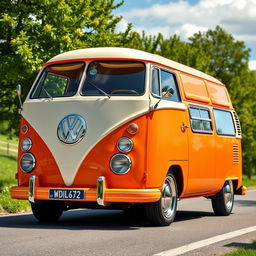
column 206, row 242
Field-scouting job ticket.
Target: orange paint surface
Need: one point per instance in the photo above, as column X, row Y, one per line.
column 218, row 94
column 46, row 167
column 194, row 88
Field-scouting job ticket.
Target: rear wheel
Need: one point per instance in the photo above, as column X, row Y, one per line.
column 223, row 202
column 46, row 212
column 163, row 212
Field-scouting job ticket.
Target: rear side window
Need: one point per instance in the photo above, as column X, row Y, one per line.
column 224, row 122
column 200, row 119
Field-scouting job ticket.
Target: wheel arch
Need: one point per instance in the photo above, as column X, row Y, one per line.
column 178, row 174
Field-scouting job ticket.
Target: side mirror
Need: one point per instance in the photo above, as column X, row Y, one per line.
column 169, row 93
column 18, row 91
column 165, row 94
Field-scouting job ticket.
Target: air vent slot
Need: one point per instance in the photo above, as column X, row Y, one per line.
column 235, row 153
column 238, row 126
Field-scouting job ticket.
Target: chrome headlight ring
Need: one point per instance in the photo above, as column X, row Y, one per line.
column 120, row 164
column 26, row 144
column 27, row 162
column 125, row 144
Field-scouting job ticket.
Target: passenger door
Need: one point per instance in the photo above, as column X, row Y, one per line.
column 167, row 137
column 201, row 177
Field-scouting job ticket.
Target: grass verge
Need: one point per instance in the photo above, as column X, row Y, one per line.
column 249, row 182
column 243, row 251
column 8, row 166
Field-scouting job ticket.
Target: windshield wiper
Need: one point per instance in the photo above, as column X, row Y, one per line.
column 47, row 93
column 106, row 94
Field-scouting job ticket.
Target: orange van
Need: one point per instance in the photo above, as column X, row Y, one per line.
column 118, row 128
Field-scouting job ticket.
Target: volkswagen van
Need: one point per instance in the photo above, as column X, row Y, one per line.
column 118, row 128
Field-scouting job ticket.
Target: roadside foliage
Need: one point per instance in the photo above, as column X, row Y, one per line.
column 31, row 32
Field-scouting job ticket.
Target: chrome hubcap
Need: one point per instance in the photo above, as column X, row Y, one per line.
column 228, row 195
column 169, row 197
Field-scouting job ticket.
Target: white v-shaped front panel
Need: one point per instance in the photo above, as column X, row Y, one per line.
column 101, row 115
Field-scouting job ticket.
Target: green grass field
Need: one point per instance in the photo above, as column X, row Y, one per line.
column 8, row 167
column 6, row 139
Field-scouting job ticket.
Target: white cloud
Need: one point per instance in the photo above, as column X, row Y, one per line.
column 188, row 30
column 236, row 16
column 252, row 65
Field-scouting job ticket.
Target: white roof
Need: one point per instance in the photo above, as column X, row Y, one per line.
column 127, row 53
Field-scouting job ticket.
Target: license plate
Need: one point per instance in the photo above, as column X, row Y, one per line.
column 66, row 194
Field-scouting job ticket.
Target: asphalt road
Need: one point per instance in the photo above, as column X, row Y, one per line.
column 99, row 232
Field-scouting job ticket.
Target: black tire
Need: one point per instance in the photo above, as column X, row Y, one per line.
column 46, row 212
column 223, row 202
column 162, row 212
column 136, row 211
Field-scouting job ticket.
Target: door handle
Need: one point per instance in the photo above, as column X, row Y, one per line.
column 183, row 127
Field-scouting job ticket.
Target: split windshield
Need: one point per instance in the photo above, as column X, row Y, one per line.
column 114, row 78
column 103, row 78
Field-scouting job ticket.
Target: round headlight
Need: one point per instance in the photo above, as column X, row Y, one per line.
column 120, row 163
column 132, row 128
column 26, row 144
column 24, row 129
column 27, row 162
column 125, row 144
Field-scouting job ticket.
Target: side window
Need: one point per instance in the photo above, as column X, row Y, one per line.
column 224, row 122
column 161, row 82
column 200, row 119
column 155, row 82
column 168, row 81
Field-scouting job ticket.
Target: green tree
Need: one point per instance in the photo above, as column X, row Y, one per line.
column 32, row 31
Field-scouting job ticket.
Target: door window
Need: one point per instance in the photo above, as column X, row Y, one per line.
column 162, row 81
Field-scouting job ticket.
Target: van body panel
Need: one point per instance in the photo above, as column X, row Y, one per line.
column 194, row 88
column 44, row 117
column 218, row 94
column 96, row 162
column 46, row 166
column 167, row 141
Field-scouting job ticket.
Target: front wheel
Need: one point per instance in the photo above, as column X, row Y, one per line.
column 46, row 212
column 163, row 212
column 223, row 202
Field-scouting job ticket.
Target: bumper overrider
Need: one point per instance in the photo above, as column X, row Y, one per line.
column 102, row 194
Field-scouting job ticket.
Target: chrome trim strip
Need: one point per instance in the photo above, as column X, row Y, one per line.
column 137, row 198
column 101, row 190
column 31, row 189
column 140, row 193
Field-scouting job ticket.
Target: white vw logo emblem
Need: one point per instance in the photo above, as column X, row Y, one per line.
column 71, row 129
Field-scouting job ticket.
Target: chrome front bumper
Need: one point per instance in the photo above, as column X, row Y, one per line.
column 101, row 194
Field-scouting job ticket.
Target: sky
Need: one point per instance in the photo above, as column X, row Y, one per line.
column 186, row 17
